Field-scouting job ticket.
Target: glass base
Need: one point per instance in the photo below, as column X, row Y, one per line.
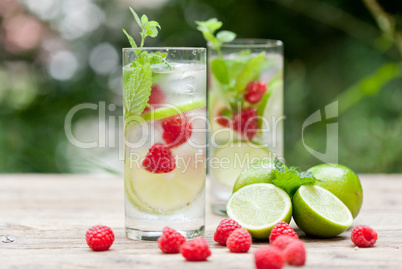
column 219, row 209
column 154, row 235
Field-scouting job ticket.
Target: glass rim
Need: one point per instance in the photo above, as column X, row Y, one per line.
column 252, row 43
column 167, row 48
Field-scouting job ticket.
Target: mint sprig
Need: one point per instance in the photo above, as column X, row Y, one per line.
column 291, row 179
column 208, row 29
column 137, row 87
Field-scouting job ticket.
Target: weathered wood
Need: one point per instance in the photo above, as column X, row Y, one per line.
column 48, row 216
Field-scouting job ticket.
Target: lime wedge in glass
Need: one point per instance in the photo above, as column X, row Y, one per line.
column 162, row 193
column 168, row 111
column 319, row 213
column 229, row 161
column 258, row 207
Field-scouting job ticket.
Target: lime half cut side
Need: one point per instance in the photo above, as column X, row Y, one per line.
column 258, row 207
column 230, row 160
column 162, row 193
column 320, row 213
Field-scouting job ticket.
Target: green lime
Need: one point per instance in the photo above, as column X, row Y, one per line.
column 228, row 162
column 165, row 112
column 258, row 207
column 320, row 213
column 161, row 193
column 257, row 172
column 343, row 182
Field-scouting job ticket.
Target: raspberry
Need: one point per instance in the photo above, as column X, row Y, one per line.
column 363, row 236
column 239, row 241
column 223, row 117
column 245, row 122
column 254, row 92
column 99, row 237
column 282, row 241
column 159, row 159
column 196, row 250
column 282, row 228
column 176, row 130
column 170, row 241
column 224, row 229
column 157, row 97
column 295, row 253
column 268, row 258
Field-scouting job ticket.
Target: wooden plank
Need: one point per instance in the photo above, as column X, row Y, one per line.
column 48, row 216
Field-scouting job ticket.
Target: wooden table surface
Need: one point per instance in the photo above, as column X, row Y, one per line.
column 48, row 215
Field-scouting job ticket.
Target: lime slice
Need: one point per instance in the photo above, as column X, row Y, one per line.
column 229, row 161
column 172, row 110
column 343, row 182
column 258, row 207
column 161, row 193
column 320, row 213
column 257, row 172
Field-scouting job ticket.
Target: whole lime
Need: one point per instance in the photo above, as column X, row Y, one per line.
column 342, row 182
column 257, row 172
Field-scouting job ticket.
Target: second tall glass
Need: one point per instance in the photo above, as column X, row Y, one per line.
column 245, row 110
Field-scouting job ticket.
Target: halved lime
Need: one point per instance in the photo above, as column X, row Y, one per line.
column 258, row 207
column 229, row 161
column 341, row 181
column 161, row 193
column 320, row 213
column 257, row 172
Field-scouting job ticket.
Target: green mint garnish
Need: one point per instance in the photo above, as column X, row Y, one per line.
column 250, row 72
column 136, row 93
column 137, row 88
column 291, row 179
column 208, row 29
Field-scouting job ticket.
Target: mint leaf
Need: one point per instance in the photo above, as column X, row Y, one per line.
column 220, row 71
column 250, row 72
column 137, row 90
column 137, row 19
column 210, row 25
column 290, row 180
column 226, row 36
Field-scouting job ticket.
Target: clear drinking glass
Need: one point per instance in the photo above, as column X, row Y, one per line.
column 245, row 107
column 165, row 146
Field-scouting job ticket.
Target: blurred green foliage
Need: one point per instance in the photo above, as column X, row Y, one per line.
column 53, row 57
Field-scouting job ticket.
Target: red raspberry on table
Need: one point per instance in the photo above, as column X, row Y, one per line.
column 245, row 122
column 176, row 130
column 157, row 97
column 363, row 236
column 295, row 253
column 224, row 229
column 282, row 228
column 282, row 241
column 159, row 159
column 170, row 241
column 269, row 258
column 239, row 241
column 254, row 92
column 99, row 237
column 196, row 250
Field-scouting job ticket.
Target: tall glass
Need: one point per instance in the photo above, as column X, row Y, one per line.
column 245, row 110
column 165, row 146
